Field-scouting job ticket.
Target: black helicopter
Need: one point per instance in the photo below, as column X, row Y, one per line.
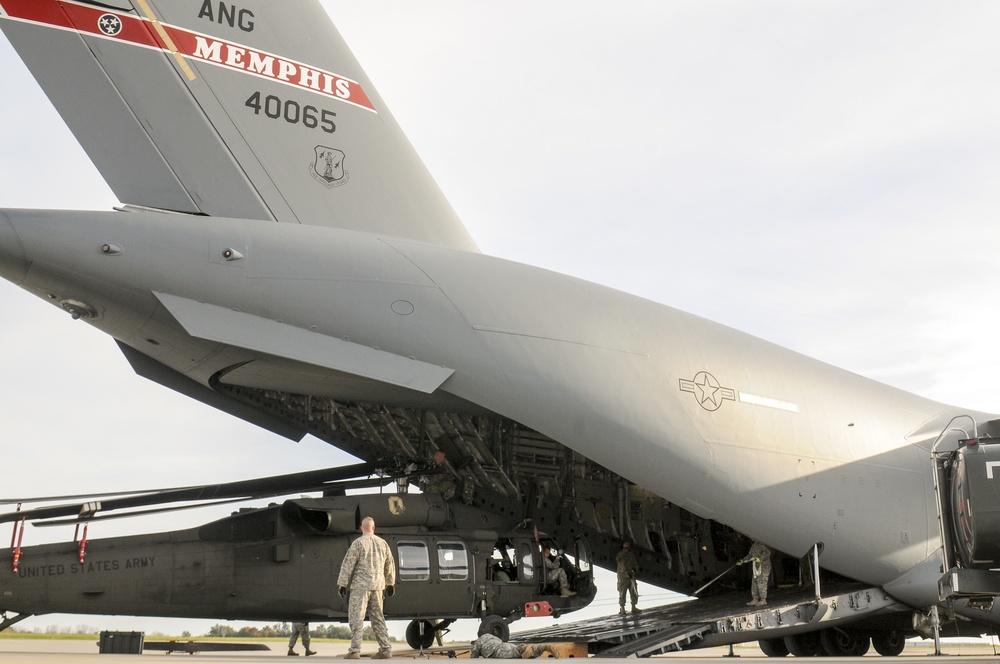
column 280, row 562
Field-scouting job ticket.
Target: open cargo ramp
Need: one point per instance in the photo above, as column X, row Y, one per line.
column 723, row 620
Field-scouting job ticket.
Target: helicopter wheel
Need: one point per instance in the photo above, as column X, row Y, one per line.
column 496, row 626
column 420, row 634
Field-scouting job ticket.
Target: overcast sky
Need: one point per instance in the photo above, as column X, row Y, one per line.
column 824, row 175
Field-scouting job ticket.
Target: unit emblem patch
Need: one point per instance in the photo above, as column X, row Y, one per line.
column 327, row 167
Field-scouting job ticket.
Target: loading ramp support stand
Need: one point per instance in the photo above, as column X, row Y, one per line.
column 671, row 639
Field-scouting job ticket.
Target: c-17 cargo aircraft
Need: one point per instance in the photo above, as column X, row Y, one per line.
column 282, row 255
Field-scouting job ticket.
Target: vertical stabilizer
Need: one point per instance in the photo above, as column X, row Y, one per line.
column 254, row 110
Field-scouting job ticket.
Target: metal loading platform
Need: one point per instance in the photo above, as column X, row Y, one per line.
column 718, row 620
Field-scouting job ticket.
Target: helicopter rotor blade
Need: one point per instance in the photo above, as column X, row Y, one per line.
column 342, row 485
column 126, row 515
column 276, row 485
column 82, row 496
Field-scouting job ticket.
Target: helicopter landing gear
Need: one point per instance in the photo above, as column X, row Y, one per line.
column 496, row 626
column 421, row 634
column 6, row 622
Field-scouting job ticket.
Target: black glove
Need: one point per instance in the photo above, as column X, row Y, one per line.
column 342, row 591
column 390, row 591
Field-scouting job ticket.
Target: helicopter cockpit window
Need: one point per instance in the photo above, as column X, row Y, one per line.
column 502, row 566
column 527, row 562
column 414, row 561
column 582, row 556
column 453, row 561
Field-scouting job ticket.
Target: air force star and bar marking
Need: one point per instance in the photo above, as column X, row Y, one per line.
column 710, row 394
column 707, row 390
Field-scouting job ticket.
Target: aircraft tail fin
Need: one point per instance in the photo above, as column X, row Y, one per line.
column 254, row 109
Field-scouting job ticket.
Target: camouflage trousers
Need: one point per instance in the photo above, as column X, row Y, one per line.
column 758, row 587
column 626, row 584
column 299, row 629
column 371, row 601
column 558, row 577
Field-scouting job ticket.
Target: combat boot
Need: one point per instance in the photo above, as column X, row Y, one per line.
column 382, row 655
column 566, row 592
column 310, row 652
column 636, row 609
column 292, row 653
column 352, row 655
column 621, row 611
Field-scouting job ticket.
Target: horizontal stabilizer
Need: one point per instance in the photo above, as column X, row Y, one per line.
column 235, row 328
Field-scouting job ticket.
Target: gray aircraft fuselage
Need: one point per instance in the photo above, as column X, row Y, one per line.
column 790, row 450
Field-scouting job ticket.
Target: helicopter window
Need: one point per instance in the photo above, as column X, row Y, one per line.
column 527, row 561
column 582, row 556
column 414, row 561
column 502, row 562
column 453, row 561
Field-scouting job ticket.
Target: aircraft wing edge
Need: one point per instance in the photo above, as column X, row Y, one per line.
column 236, row 328
column 148, row 368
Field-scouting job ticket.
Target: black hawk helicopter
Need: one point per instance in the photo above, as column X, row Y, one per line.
column 280, row 562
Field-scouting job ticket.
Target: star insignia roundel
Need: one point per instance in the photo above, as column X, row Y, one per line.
column 707, row 390
column 109, row 24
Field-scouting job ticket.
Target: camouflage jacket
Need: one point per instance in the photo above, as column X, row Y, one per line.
column 490, row 646
column 626, row 564
column 368, row 565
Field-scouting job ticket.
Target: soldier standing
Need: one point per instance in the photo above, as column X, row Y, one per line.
column 368, row 569
column 299, row 629
column 627, row 567
column 760, row 556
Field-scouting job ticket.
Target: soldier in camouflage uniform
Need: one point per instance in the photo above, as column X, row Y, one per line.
column 442, row 481
column 627, row 567
column 300, row 629
column 554, row 573
column 491, row 647
column 760, row 556
column 368, row 569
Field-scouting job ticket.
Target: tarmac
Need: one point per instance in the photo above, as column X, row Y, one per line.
column 56, row 651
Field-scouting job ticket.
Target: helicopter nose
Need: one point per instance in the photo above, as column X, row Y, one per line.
column 13, row 261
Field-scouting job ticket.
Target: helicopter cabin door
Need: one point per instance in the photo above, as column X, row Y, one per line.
column 437, row 573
